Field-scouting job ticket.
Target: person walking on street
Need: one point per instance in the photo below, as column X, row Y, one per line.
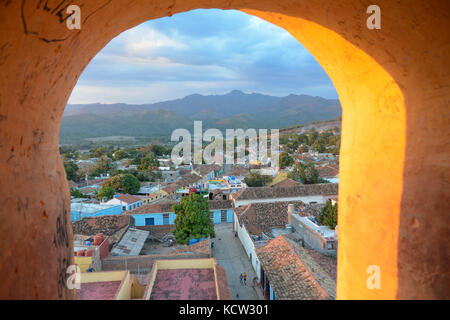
column 241, row 277
column 245, row 278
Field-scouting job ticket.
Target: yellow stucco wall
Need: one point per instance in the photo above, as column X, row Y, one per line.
column 186, row 264
column 83, row 263
column 103, row 276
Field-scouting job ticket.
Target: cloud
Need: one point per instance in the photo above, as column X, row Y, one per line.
column 200, row 51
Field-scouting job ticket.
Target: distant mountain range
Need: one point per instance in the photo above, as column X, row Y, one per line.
column 235, row 109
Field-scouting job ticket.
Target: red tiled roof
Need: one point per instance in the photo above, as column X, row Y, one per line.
column 127, row 198
column 220, row 204
column 72, row 184
column 239, row 210
column 322, row 267
column 235, row 195
column 328, row 264
column 165, row 207
column 188, row 179
column 171, row 188
column 205, row 169
column 98, row 290
column 107, row 225
column 203, row 246
column 184, row 284
column 287, row 274
column 285, row 183
column 293, row 191
column 262, row 217
column 327, row 171
column 239, row 171
column 158, row 231
column 87, row 190
column 222, row 283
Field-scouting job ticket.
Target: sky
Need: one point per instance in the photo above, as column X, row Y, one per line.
column 202, row 51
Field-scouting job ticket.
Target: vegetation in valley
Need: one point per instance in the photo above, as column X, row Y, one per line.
column 328, row 141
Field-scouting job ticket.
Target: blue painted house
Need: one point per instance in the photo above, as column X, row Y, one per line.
column 154, row 214
column 162, row 214
column 221, row 211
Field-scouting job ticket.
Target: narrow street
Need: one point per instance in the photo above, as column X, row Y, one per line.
column 230, row 254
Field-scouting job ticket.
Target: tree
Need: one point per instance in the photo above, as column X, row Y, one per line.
column 158, row 150
column 106, row 192
column 328, row 215
column 192, row 221
column 71, row 170
column 147, row 164
column 305, row 173
column 317, row 146
column 285, row 160
column 76, row 193
column 129, row 184
column 119, row 155
column 68, row 153
column 97, row 153
column 103, row 165
column 155, row 176
column 123, row 183
column 84, row 156
column 257, row 180
column 312, row 136
column 304, row 148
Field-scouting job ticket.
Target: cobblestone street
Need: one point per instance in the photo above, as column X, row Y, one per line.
column 230, row 254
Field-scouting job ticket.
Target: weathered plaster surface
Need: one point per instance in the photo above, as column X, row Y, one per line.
column 393, row 84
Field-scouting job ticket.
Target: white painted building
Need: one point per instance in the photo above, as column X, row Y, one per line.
column 127, row 201
column 319, row 238
column 248, row 244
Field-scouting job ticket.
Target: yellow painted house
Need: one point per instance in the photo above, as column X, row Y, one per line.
column 154, row 196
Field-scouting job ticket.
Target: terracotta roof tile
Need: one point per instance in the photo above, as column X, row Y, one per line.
column 327, row 171
column 322, row 267
column 289, row 277
column 188, row 179
column 127, row 198
column 293, row 191
column 107, row 225
column 171, row 188
column 205, row 169
column 239, row 210
column 239, row 171
column 222, row 283
column 72, row 184
column 162, row 207
column 285, row 183
column 262, row 217
column 220, row 204
column 203, row 246
column 88, row 190
column 327, row 263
